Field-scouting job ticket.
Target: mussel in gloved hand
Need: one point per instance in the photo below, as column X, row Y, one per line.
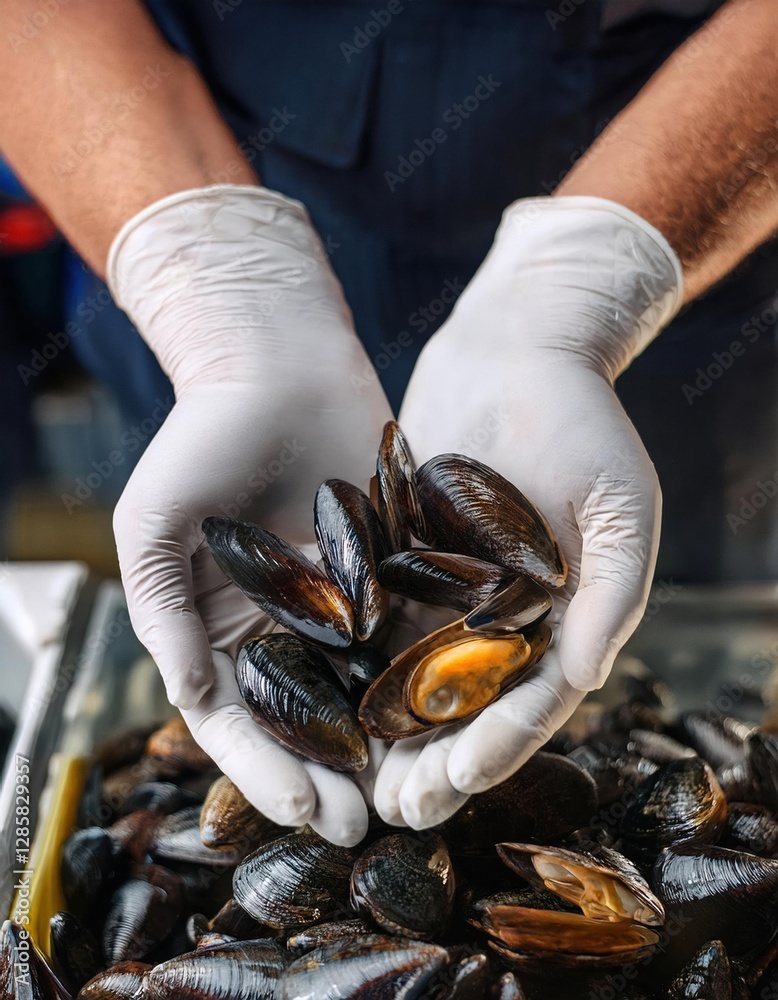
column 291, row 690
column 397, row 493
column 352, row 544
column 279, row 578
column 470, row 508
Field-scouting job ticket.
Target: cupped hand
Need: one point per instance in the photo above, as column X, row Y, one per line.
column 521, row 378
column 233, row 291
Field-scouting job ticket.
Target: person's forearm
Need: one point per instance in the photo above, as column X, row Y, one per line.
column 696, row 152
column 100, row 117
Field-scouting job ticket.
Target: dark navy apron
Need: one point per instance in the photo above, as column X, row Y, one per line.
column 406, row 127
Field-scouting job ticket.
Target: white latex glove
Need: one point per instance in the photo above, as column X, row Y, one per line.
column 521, row 377
column 233, row 292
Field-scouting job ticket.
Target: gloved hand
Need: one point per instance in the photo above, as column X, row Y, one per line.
column 521, row 377
column 234, row 293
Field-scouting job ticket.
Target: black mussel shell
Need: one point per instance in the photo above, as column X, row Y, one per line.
column 233, row 921
column 281, row 580
column 518, row 604
column 682, row 802
column 234, row 970
column 406, row 884
column 352, row 544
column 92, row 863
column 717, row 894
column 123, row 981
column 470, row 508
column 24, row 974
column 751, row 828
column 738, row 783
column 550, row 796
column 762, row 762
column 161, row 796
column 75, row 953
column 616, row 772
column 291, row 691
column 718, row 739
column 706, row 977
column 321, row 934
column 177, row 838
column 465, row 978
column 444, row 579
column 371, row 967
column 295, row 881
column 605, row 884
column 142, row 912
column 398, row 497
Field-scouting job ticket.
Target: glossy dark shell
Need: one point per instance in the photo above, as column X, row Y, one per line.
column 718, row 894
column 707, row 977
column 605, row 884
column 92, row 862
column 466, row 978
column 470, row 508
column 372, row 967
column 24, row 974
column 550, row 796
column 295, row 881
column 328, row 933
column 680, row 803
column 162, row 796
column 142, row 912
column 762, row 762
column 751, row 828
column 177, row 838
column 281, row 580
column 443, row 579
column 616, row 772
column 233, row 920
column 123, row 981
column 406, row 884
column 516, row 605
column 241, row 970
column 291, row 691
column 352, row 544
column 228, row 818
column 398, row 497
column 75, row 954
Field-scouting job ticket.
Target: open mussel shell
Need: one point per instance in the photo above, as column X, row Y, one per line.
column 708, row 974
column 24, row 974
column 446, row 677
column 372, row 966
column 443, row 579
column 398, row 497
column 291, row 690
column 538, row 939
column 603, row 883
column 228, row 818
column 281, row 580
column 75, row 953
column 717, row 894
column 470, row 508
column 548, row 797
column 682, row 802
column 455, row 681
column 352, row 544
column 235, row 970
column 406, row 884
column 294, row 881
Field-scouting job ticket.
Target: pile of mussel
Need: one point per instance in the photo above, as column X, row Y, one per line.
column 635, row 856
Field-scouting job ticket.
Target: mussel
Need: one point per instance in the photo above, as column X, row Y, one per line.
column 92, row 863
column 123, row 981
column 371, row 967
column 603, row 883
column 706, row 977
column 142, row 912
column 327, row 933
column 228, row 818
column 291, row 691
column 295, row 881
column 398, row 498
column 352, row 545
column 446, row 677
column 173, row 749
column 239, row 970
column 177, row 838
column 682, row 802
column 472, row 509
column 444, row 579
column 281, row 580
column 24, row 974
column 406, row 884
column 751, row 828
column 75, row 952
